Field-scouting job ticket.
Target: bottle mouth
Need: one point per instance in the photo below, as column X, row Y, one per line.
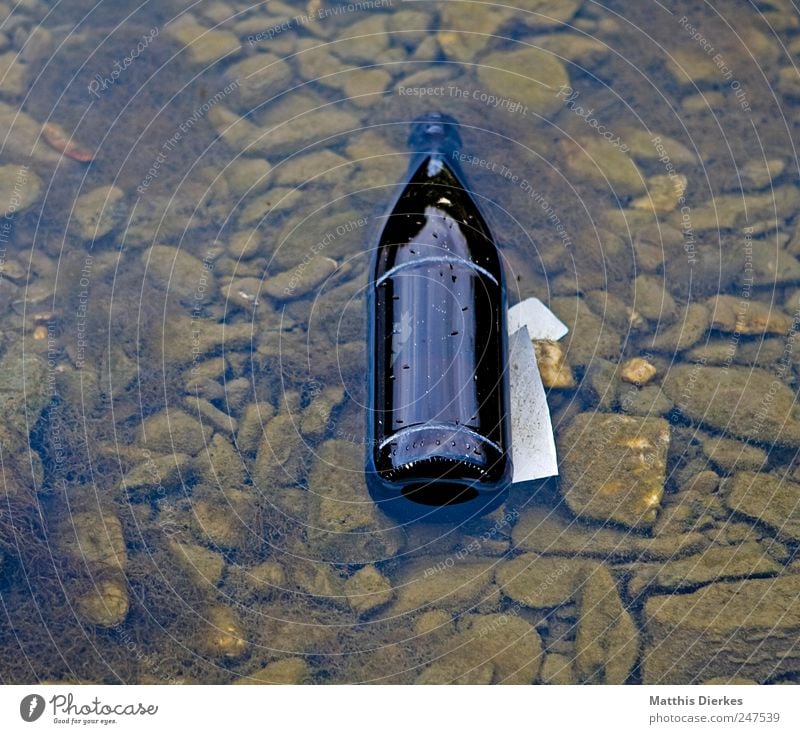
column 439, row 494
column 434, row 132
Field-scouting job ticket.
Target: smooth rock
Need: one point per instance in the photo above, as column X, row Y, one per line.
column 731, row 455
column 20, row 188
column 106, row 605
column 553, row 366
column 732, row 314
column 607, row 640
column 433, row 582
column 99, row 212
column 652, row 300
column 94, row 539
column 530, row 76
column 203, row 565
column 637, row 371
column 205, row 46
column 540, row 530
column 750, row 627
column 595, row 158
column 220, row 634
column 176, row 271
column 344, row 523
column 687, row 330
column 749, row 403
column 557, row 670
column 768, row 499
column 289, row 671
column 613, row 467
column 540, row 582
column 301, row 279
column 664, row 193
column 589, row 337
column 260, row 77
column 718, row 563
column 173, row 431
column 505, row 645
column 368, row 589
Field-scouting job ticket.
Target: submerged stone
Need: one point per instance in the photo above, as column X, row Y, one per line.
column 492, row 648
column 613, row 467
column 769, row 499
column 749, row 403
column 750, row 627
column 530, row 76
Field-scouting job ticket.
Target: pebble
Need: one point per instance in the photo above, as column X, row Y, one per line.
column 220, row 634
column 717, row 563
column 452, row 585
column 345, row 526
column 540, row 582
column 368, row 589
column 553, row 366
column 489, row 648
column 748, row 403
column 613, row 467
column 203, row 45
column 688, row 329
column 637, row 371
column 209, row 414
column 99, row 212
column 759, row 174
column 467, row 30
column 732, row 314
column 260, row 77
column 20, row 188
column 301, row 169
column 301, row 279
column 652, row 299
column 220, row 464
column 651, row 146
column 289, row 671
column 645, row 401
column 730, row 455
column 768, row 499
column 238, row 132
column 530, row 76
column 690, row 66
column 607, row 640
column 106, row 605
column 173, row 431
column 176, row 271
column 696, row 636
column 15, row 73
column 202, row 565
column 247, row 176
column 557, row 670
column 224, row 521
column 596, row 159
column 589, row 336
column 159, row 474
column 540, row 530
column 664, row 193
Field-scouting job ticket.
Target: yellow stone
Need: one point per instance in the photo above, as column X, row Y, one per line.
column 637, row 371
column 553, row 367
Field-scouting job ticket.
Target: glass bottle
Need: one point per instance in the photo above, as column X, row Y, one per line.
column 438, row 431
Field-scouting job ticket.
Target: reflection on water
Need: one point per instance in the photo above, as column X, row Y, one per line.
column 189, row 197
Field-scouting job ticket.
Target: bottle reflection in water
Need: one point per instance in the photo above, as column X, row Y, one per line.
column 438, row 429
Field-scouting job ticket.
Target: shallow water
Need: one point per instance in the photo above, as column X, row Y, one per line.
column 183, row 341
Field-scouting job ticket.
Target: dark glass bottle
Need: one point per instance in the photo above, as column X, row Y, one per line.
column 438, row 430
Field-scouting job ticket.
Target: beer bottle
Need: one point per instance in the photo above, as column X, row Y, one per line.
column 438, row 431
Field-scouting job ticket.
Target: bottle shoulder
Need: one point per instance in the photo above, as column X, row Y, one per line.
column 435, row 217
